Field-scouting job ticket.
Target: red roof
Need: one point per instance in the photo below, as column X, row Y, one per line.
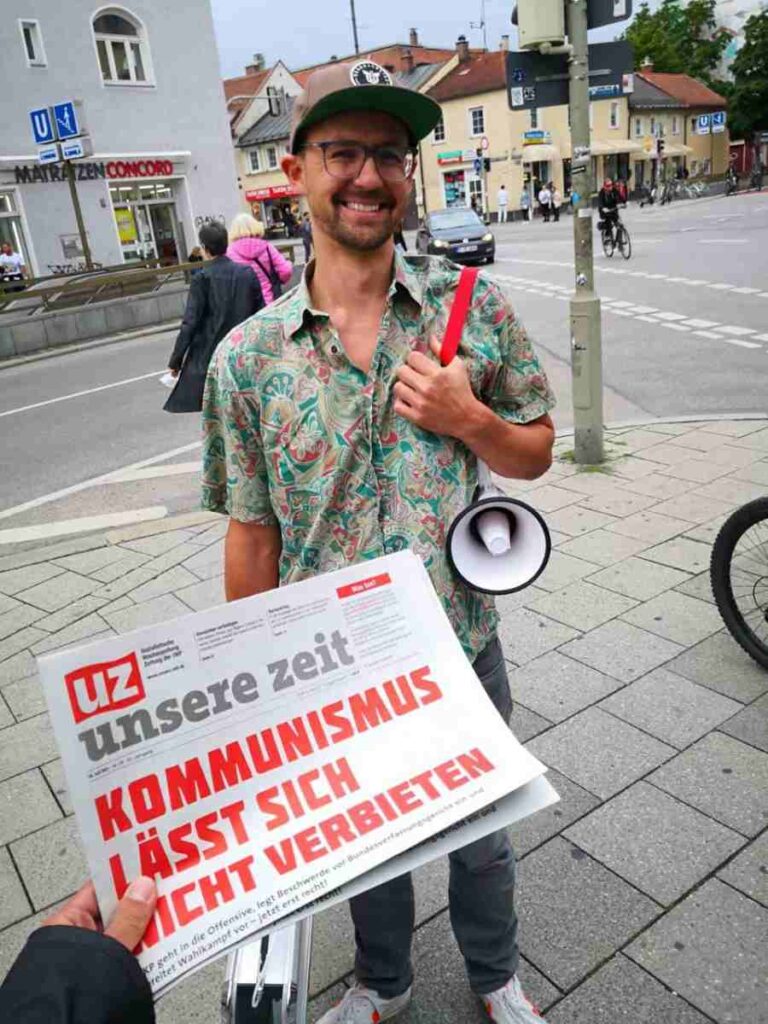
column 483, row 72
column 245, row 85
column 688, row 91
column 392, row 56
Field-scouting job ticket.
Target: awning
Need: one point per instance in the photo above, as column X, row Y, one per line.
column 676, row 149
column 271, row 192
column 539, row 153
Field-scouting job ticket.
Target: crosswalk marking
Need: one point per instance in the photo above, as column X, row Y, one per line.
column 738, row 331
column 741, row 344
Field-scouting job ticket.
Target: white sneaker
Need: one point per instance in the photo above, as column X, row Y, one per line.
column 362, row 1005
column 509, row 1005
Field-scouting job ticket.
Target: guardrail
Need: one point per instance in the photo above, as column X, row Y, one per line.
column 82, row 288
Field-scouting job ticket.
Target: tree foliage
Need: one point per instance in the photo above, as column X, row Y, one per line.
column 748, row 94
column 678, row 37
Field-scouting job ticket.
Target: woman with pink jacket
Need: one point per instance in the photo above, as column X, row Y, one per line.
column 248, row 245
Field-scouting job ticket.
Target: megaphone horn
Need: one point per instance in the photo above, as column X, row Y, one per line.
column 498, row 544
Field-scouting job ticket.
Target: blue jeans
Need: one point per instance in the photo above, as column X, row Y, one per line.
column 480, row 894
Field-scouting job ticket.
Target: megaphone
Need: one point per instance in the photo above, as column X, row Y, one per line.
column 498, row 544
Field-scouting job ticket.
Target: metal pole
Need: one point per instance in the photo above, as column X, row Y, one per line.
column 354, row 25
column 70, row 172
column 586, row 348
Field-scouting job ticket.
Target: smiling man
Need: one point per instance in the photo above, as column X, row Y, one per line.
column 333, row 435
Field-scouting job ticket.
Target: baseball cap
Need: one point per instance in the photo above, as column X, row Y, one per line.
column 362, row 85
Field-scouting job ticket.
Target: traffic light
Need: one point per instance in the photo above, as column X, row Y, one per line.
column 660, row 147
column 486, row 164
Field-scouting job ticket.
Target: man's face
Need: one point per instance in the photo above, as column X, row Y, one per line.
column 359, row 213
column 607, row 183
column 6, row 249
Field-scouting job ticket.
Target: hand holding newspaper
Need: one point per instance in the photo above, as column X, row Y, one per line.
column 269, row 757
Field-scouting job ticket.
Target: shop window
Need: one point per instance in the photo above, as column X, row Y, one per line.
column 11, row 228
column 121, row 46
column 476, row 196
column 638, row 127
column 254, row 161
column 272, row 158
column 438, row 134
column 33, row 43
column 476, row 121
column 613, row 116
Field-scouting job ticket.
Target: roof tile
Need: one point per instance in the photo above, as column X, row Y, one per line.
column 483, row 72
column 688, row 91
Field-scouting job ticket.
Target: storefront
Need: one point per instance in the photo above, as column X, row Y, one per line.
column 278, row 207
column 462, row 185
column 134, row 210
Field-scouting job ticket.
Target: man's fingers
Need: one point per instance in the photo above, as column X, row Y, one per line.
column 423, row 364
column 81, row 911
column 133, row 914
column 407, row 375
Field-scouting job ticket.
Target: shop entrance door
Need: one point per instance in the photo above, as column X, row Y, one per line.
column 148, row 231
column 164, row 229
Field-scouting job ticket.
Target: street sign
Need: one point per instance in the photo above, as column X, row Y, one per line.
column 477, row 165
column 718, row 121
column 42, row 126
column 76, row 149
column 485, row 142
column 610, row 71
column 66, row 120
column 703, row 124
column 48, row 154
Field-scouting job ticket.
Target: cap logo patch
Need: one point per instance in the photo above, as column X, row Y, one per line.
column 365, row 72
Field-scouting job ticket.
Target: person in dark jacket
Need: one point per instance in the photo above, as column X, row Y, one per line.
column 72, row 972
column 221, row 296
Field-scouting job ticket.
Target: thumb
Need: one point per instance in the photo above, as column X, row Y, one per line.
column 133, row 914
column 436, row 347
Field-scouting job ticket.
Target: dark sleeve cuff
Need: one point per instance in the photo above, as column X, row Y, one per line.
column 73, row 975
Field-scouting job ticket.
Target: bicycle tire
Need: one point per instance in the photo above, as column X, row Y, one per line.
column 624, row 242
column 721, row 574
column 608, row 243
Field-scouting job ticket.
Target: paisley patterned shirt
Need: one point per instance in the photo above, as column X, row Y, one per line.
column 297, row 436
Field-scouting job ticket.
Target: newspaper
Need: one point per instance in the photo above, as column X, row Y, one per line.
column 267, row 757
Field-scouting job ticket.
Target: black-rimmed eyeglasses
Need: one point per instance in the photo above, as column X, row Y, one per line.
column 345, row 160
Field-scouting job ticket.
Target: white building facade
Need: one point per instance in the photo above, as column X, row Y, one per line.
column 146, row 77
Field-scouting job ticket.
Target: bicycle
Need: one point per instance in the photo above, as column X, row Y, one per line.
column 614, row 235
column 738, row 573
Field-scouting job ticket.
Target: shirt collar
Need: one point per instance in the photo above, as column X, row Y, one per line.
column 405, row 277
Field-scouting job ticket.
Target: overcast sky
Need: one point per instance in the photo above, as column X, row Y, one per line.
column 305, row 32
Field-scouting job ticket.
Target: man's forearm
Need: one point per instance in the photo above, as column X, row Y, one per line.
column 251, row 559
column 523, row 451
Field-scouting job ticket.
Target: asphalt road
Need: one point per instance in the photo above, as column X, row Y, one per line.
column 685, row 333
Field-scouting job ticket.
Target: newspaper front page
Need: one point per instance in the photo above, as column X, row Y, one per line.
column 270, row 756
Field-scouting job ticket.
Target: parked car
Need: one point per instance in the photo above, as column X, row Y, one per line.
column 457, row 233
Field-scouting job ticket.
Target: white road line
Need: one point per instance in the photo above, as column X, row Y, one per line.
column 79, row 394
column 761, row 337
column 723, row 287
column 661, row 315
column 95, row 481
column 741, row 344
column 700, row 323
column 66, row 527
column 153, row 472
column 746, row 291
column 645, row 309
column 738, row 331
column 709, row 334
column 721, row 241
column 648, row 319
column 675, row 327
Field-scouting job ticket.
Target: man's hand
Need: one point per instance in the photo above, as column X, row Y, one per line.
column 173, row 373
column 129, row 921
column 436, row 398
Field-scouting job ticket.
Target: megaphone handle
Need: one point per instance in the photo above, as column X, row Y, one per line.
column 484, row 479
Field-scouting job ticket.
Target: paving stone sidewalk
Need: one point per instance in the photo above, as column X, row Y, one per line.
column 643, row 894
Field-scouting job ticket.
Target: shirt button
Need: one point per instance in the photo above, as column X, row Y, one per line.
column 335, row 349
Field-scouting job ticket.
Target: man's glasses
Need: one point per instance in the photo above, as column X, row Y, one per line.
column 345, row 160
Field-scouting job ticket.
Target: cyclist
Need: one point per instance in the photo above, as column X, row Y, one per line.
column 608, row 201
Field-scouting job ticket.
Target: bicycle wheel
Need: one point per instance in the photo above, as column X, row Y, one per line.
column 608, row 243
column 739, row 577
column 624, row 242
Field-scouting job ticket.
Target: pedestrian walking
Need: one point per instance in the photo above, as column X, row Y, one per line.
column 545, row 202
column 305, row 230
column 557, row 201
column 334, row 465
column 525, row 204
column 502, row 200
column 247, row 245
column 221, row 295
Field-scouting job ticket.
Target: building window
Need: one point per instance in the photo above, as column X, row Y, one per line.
column 693, row 125
column 476, row 194
column 33, row 43
column 438, row 135
column 613, row 116
column 255, row 163
column 122, row 49
column 535, row 117
column 476, row 121
column 10, row 227
column 675, row 124
column 653, row 127
column 273, row 100
column 638, row 127
column 272, row 158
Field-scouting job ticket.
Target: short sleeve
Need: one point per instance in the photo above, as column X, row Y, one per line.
column 234, row 473
column 516, row 388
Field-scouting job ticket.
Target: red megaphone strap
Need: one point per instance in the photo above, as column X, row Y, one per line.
column 458, row 314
